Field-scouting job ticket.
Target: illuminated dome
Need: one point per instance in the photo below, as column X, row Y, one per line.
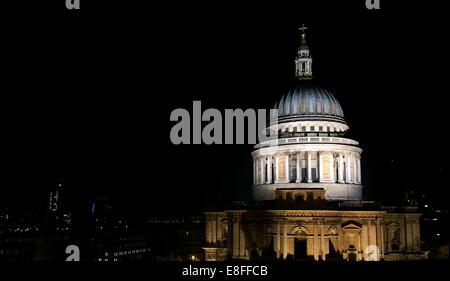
column 307, row 101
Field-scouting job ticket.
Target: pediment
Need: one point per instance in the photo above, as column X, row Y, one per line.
column 351, row 225
column 393, row 224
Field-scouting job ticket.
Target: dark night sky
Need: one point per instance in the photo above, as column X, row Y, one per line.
column 88, row 97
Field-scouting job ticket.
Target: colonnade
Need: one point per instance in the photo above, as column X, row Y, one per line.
column 308, row 166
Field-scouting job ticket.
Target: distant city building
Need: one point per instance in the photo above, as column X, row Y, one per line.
column 308, row 191
column 54, row 197
column 56, row 220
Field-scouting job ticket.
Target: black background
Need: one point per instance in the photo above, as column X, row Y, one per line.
column 87, row 95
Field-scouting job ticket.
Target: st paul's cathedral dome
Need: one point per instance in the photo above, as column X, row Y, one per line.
column 307, row 101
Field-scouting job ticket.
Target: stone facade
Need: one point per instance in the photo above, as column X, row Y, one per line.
column 351, row 233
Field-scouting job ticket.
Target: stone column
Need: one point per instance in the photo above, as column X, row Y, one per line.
column 403, row 240
column 278, row 239
column 309, row 166
column 409, row 234
column 372, row 233
column 242, row 252
column 261, row 167
column 320, row 165
column 347, row 168
column 269, row 170
column 299, row 171
column 351, row 166
column 214, row 229
column 277, row 179
column 322, row 242
column 287, row 170
column 254, row 172
column 340, row 240
column 379, row 238
column 236, row 233
column 355, row 179
column 219, row 230
column 258, row 171
column 341, row 168
column 208, row 229
column 382, row 241
column 332, row 175
column 359, row 170
column 284, row 241
column 359, row 246
column 364, row 240
column 315, row 243
column 416, row 232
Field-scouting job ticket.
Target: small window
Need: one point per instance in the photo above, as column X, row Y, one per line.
column 300, row 198
column 328, row 129
column 303, row 128
column 321, row 128
column 311, row 128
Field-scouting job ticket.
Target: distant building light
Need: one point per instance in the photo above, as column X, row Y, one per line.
column 435, row 219
column 426, row 206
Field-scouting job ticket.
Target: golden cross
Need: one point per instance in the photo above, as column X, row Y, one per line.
column 303, row 28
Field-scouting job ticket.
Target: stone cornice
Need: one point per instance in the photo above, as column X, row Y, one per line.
column 294, row 148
